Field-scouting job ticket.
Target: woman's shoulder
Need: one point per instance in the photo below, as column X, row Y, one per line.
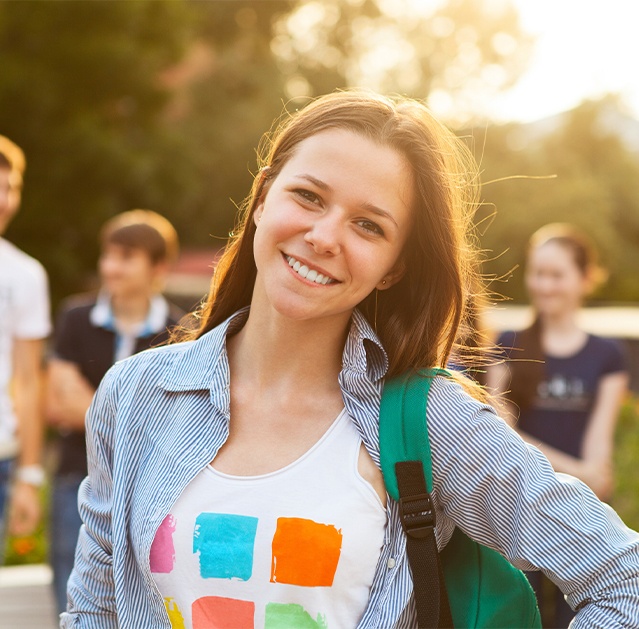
column 449, row 402
column 77, row 306
column 146, row 368
column 155, row 358
column 506, row 343
column 507, row 338
column 459, row 425
column 612, row 352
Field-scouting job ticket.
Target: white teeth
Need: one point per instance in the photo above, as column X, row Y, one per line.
column 309, row 274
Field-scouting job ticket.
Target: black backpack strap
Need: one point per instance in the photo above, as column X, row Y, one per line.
column 418, row 520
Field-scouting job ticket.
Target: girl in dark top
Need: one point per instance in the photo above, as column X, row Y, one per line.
column 563, row 386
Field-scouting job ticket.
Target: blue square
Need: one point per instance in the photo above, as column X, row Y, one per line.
column 225, row 543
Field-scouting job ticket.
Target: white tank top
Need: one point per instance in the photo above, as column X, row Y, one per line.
column 294, row 548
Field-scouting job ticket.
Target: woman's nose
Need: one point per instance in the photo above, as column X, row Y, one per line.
column 325, row 234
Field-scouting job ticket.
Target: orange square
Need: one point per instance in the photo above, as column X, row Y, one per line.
column 305, row 553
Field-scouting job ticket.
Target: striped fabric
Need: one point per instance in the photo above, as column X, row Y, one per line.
column 161, row 416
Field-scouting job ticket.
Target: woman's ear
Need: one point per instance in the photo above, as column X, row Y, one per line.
column 391, row 278
column 257, row 215
column 263, row 186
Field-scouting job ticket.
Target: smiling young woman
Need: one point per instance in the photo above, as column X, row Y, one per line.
column 234, row 477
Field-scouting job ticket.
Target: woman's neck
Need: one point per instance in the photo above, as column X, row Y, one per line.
column 561, row 335
column 564, row 322
column 277, row 351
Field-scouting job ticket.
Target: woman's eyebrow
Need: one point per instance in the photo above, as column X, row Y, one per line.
column 315, row 181
column 380, row 212
column 322, row 185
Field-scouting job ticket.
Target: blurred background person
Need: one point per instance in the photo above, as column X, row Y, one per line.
column 128, row 315
column 24, row 326
column 561, row 387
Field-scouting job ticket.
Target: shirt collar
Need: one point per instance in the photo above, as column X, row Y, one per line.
column 363, row 351
column 102, row 314
column 195, row 368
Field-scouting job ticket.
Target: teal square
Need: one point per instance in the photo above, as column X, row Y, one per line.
column 225, row 544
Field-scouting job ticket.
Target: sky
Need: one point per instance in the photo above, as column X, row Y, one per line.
column 584, row 49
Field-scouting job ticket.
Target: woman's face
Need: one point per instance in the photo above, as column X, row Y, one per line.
column 331, row 226
column 555, row 283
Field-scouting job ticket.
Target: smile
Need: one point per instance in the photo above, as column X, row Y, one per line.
column 309, row 274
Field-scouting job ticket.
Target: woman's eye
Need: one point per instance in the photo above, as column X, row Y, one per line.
column 307, row 195
column 371, row 227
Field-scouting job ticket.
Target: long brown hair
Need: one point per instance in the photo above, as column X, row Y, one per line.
column 417, row 318
column 527, row 370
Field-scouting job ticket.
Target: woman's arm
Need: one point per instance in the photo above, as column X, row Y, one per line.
column 91, row 589
column 595, row 465
column 598, row 442
column 68, row 395
column 504, row 494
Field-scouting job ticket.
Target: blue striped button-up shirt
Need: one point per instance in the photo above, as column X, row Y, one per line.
column 160, row 417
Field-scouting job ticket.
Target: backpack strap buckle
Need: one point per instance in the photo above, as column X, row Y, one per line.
column 417, row 515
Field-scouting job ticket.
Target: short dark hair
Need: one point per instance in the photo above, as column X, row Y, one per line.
column 143, row 229
column 12, row 158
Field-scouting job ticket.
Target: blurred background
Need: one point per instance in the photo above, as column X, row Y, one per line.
column 161, row 105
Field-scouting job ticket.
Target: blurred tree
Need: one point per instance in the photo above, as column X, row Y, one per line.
column 160, row 104
column 226, row 93
column 455, row 53
column 79, row 91
column 595, row 188
column 132, row 104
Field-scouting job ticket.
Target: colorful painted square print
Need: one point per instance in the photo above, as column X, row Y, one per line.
column 216, row 612
column 305, row 553
column 225, row 545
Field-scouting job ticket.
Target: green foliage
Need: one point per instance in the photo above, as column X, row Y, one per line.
column 161, row 104
column 80, row 92
column 461, row 49
column 579, row 172
column 223, row 112
column 626, row 494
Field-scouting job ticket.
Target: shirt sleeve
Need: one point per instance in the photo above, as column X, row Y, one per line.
column 504, row 494
column 506, row 345
column 66, row 341
column 33, row 314
column 91, row 587
column 616, row 357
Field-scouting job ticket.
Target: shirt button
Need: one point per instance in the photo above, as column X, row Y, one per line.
column 391, row 562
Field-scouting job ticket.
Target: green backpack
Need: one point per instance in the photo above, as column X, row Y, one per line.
column 467, row 584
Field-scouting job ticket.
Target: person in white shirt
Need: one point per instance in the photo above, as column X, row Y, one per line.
column 24, row 326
